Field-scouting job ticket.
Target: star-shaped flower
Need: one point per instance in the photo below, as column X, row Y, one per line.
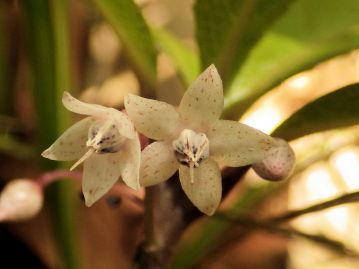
column 106, row 142
column 194, row 140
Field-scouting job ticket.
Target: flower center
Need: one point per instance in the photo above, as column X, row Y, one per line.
column 103, row 137
column 191, row 149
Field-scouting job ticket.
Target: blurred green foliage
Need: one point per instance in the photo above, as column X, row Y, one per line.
column 47, row 40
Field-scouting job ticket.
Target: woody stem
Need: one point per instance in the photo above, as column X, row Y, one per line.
column 150, row 258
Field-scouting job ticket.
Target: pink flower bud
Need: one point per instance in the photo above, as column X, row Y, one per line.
column 278, row 164
column 21, row 199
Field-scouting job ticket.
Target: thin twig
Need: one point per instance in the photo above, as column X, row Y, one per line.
column 251, row 225
column 344, row 199
column 271, row 222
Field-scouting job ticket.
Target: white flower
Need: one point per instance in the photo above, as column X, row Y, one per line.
column 106, row 142
column 194, row 140
column 21, row 199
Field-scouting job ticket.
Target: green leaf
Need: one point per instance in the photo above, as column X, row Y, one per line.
column 186, row 60
column 40, row 49
column 63, row 195
column 126, row 18
column 228, row 29
column 310, row 32
column 334, row 110
column 48, row 50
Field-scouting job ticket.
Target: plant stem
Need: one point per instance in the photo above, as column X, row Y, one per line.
column 50, row 177
column 150, row 232
column 149, row 257
column 168, row 212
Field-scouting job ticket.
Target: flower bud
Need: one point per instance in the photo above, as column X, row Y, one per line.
column 278, row 164
column 20, row 199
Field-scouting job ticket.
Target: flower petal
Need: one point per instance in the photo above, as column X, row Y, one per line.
column 235, row 144
column 206, row 190
column 158, row 163
column 130, row 163
column 124, row 124
column 155, row 119
column 101, row 171
column 71, row 144
column 82, row 108
column 202, row 103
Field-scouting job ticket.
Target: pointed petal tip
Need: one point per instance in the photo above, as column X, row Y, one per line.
column 210, row 213
column 136, row 186
column 67, row 99
column 133, row 185
column 66, row 96
column 66, row 93
column 48, row 154
column 88, row 201
column 45, row 153
column 213, row 67
column 203, row 102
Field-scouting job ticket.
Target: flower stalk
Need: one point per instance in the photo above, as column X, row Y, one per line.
column 47, row 178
